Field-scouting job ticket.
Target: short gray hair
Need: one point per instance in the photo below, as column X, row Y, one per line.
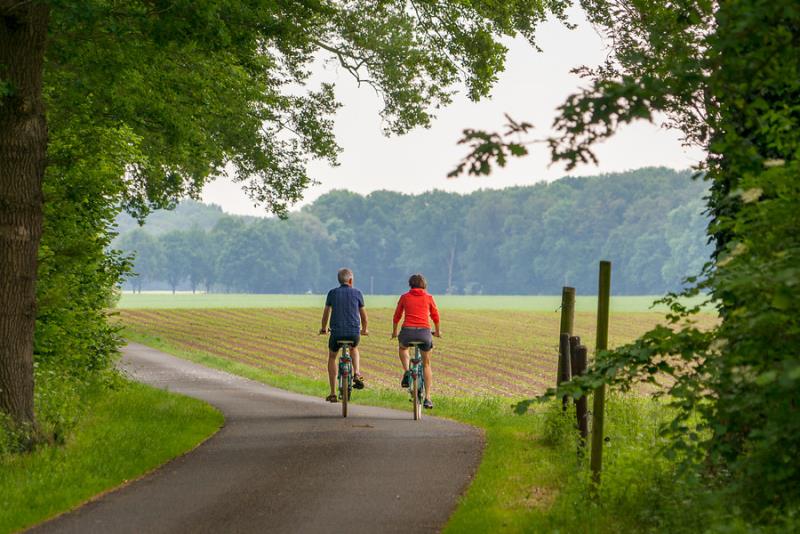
column 345, row 275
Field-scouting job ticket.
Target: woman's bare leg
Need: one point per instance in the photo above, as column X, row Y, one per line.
column 404, row 357
column 428, row 372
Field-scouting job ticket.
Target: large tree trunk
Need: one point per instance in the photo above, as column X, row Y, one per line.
column 23, row 143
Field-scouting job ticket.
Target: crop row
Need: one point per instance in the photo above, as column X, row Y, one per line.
column 497, row 353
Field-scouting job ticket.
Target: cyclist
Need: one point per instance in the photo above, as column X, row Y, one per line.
column 345, row 308
column 419, row 309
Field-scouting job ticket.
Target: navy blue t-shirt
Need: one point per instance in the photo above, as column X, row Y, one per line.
column 345, row 301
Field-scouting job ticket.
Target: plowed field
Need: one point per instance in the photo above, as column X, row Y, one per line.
column 481, row 352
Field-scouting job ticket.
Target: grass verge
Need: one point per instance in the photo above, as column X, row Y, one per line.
column 124, row 432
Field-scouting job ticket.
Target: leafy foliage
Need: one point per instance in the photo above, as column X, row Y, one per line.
column 148, row 100
column 224, row 85
column 727, row 75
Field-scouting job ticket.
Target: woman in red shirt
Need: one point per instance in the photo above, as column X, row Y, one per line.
column 419, row 309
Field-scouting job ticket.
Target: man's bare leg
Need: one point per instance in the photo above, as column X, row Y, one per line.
column 332, row 364
column 428, row 372
column 356, row 361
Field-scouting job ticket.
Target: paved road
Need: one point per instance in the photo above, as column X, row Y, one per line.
column 287, row 463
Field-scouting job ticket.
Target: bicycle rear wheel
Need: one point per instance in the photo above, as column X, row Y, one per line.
column 345, row 395
column 417, row 403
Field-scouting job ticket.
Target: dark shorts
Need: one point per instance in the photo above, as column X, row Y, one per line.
column 333, row 341
column 408, row 335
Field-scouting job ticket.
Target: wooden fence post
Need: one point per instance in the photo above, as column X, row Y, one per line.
column 564, row 367
column 598, row 414
column 567, row 321
column 582, row 404
column 567, row 310
column 574, row 343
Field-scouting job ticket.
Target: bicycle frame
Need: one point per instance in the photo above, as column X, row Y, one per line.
column 345, row 375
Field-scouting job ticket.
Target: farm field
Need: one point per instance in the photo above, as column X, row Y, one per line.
column 497, row 353
column 542, row 303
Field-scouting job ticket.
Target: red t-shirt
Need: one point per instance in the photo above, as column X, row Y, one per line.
column 419, row 308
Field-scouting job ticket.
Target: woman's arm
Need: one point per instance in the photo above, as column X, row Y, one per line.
column 398, row 313
column 434, row 311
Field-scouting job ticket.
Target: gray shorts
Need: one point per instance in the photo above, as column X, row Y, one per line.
column 408, row 335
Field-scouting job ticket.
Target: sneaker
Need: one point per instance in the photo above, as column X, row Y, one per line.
column 406, row 381
column 427, row 404
column 358, row 382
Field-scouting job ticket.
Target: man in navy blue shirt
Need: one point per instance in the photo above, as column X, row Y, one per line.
column 345, row 308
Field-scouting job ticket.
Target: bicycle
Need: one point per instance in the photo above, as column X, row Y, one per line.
column 416, row 387
column 345, row 374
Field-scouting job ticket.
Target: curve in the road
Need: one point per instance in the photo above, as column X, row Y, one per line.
column 287, row 463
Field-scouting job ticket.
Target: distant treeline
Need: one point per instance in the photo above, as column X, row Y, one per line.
column 519, row 240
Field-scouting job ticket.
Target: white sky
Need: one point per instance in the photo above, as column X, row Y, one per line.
column 531, row 88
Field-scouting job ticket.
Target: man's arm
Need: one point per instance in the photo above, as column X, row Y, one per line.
column 362, row 311
column 326, row 313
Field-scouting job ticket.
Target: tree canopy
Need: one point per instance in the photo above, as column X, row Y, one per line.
column 138, row 104
column 521, row 240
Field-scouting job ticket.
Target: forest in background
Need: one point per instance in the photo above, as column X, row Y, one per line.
column 519, row 240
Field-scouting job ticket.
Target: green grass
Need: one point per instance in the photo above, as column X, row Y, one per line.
column 529, row 479
column 123, row 433
column 455, row 302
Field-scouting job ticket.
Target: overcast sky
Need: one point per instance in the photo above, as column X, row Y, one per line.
column 531, row 88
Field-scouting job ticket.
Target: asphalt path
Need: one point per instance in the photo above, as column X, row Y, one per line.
column 285, row 462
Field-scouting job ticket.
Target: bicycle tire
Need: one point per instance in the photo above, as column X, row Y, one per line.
column 415, row 395
column 345, row 395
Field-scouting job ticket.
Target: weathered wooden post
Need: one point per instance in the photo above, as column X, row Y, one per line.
column 567, row 310
column 564, row 367
column 567, row 322
column 598, row 408
column 581, row 405
column 574, row 343
column 577, row 368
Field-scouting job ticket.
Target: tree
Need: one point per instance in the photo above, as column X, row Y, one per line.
column 148, row 260
column 198, row 87
column 23, row 143
column 727, row 75
column 199, row 266
column 178, row 255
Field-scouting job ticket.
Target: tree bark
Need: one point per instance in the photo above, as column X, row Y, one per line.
column 23, row 145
